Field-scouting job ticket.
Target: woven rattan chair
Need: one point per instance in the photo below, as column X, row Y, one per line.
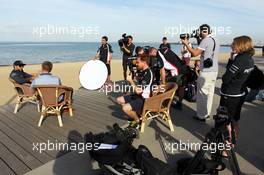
column 24, row 94
column 54, row 99
column 159, row 106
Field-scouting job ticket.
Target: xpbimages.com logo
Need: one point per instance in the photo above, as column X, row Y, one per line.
column 60, row 146
column 174, row 147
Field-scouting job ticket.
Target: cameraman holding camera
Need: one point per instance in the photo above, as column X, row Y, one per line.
column 127, row 48
column 208, row 49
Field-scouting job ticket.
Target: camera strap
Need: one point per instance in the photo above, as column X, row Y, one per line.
column 213, row 47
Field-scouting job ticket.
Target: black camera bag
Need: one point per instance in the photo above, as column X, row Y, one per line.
column 208, row 62
column 151, row 165
column 205, row 166
column 109, row 156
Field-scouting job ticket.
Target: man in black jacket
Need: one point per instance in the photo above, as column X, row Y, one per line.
column 18, row 74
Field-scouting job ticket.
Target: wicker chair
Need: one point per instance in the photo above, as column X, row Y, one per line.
column 24, row 94
column 54, row 99
column 159, row 106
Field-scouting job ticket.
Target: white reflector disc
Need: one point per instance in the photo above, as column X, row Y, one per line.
column 93, row 74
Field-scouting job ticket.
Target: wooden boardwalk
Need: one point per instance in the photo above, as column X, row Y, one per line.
column 93, row 112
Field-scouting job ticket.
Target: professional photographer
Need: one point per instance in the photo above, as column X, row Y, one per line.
column 238, row 69
column 104, row 53
column 209, row 50
column 132, row 104
column 172, row 70
column 127, row 47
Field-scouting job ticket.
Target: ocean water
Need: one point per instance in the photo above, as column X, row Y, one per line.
column 34, row 53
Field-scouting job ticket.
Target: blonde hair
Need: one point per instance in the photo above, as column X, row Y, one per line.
column 244, row 44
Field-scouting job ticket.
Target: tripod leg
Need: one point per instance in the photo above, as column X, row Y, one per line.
column 233, row 162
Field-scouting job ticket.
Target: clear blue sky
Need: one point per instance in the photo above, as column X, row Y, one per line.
column 145, row 20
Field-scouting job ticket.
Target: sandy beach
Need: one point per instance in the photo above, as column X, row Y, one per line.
column 68, row 72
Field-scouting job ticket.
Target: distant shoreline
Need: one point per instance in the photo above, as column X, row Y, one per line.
column 258, row 54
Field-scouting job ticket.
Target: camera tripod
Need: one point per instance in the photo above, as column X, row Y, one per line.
column 218, row 134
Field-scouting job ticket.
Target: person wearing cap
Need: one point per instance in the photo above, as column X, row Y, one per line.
column 164, row 44
column 18, row 74
column 208, row 49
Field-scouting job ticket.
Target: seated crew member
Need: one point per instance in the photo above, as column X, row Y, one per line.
column 45, row 77
column 132, row 104
column 18, row 74
column 173, row 70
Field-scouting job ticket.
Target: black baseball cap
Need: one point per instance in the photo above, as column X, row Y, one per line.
column 18, row 63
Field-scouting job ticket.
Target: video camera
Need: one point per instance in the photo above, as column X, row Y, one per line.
column 195, row 34
column 123, row 40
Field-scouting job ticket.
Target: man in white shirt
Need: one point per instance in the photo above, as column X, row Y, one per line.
column 209, row 50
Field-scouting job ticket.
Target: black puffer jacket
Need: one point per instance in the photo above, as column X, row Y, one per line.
column 235, row 77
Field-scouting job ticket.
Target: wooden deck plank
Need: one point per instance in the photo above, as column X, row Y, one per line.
column 13, row 162
column 30, row 133
column 92, row 113
column 18, row 144
column 104, row 112
column 5, row 169
column 33, row 120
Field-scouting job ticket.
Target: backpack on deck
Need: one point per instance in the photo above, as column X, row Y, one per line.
column 255, row 79
column 190, row 92
column 112, row 146
column 205, row 166
column 150, row 165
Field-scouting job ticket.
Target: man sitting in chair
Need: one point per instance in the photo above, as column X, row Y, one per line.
column 18, row 74
column 132, row 104
column 46, row 78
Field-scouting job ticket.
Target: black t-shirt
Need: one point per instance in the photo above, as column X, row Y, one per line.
column 156, row 63
column 103, row 51
column 145, row 81
column 165, row 46
column 131, row 48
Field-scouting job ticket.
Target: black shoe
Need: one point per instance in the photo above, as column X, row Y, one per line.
column 201, row 120
column 177, row 105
